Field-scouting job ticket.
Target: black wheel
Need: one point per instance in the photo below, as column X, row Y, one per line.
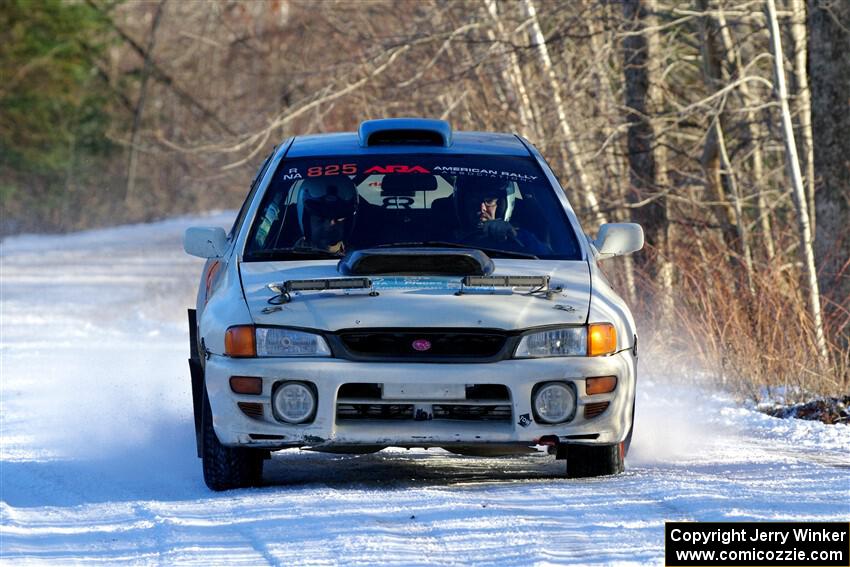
column 227, row 467
column 585, row 461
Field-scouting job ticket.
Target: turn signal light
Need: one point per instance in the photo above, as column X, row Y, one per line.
column 601, row 339
column 240, row 341
column 246, row 385
column 600, row 385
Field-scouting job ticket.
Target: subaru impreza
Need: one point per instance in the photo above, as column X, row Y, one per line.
column 409, row 286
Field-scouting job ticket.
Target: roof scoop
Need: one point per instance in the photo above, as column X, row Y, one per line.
column 416, row 262
column 405, row 132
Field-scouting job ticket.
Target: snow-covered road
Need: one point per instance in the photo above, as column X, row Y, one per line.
column 98, row 462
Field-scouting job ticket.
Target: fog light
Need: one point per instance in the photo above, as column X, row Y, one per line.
column 294, row 402
column 553, row 402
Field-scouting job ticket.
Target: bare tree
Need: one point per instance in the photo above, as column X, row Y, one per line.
column 133, row 161
column 829, row 44
column 753, row 130
column 715, row 180
column 574, row 158
column 720, row 173
column 804, row 103
column 647, row 160
column 799, row 191
column 528, row 125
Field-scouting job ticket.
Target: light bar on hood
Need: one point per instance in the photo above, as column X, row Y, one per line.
column 506, row 281
column 327, row 284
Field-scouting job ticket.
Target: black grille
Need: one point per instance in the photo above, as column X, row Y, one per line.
column 374, row 411
column 251, row 409
column 431, row 344
column 472, row 413
column 360, row 391
column 594, row 409
column 357, row 401
column 487, row 392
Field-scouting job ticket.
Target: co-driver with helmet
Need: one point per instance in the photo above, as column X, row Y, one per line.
column 484, row 208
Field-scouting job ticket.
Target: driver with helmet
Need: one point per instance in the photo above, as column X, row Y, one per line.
column 326, row 207
column 484, row 207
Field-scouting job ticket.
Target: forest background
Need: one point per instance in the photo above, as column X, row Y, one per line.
column 721, row 126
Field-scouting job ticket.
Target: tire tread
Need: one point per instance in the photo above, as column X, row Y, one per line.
column 585, row 461
column 228, row 467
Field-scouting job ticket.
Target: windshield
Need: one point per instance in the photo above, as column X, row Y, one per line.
column 325, row 207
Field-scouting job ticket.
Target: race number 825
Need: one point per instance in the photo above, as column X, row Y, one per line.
column 335, row 169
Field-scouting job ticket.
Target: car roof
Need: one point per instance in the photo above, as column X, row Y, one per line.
column 348, row 143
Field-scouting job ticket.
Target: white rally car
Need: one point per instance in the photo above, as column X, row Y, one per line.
column 409, row 286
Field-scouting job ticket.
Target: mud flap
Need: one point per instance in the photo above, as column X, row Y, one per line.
column 196, row 372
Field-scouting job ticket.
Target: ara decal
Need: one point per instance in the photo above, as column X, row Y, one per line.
column 397, row 169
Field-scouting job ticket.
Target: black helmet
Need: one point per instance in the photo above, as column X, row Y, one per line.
column 327, row 198
column 471, row 191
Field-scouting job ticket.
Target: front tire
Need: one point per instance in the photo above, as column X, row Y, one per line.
column 584, row 461
column 227, row 467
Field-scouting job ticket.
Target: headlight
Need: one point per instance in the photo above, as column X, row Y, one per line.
column 596, row 339
column 246, row 341
column 553, row 402
column 294, row 402
column 569, row 341
column 286, row 342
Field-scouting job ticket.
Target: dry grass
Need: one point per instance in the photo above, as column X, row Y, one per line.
column 757, row 346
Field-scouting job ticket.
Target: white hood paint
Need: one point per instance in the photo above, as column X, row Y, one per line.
column 420, row 301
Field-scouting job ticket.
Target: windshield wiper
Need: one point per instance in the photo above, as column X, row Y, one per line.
column 300, row 252
column 492, row 252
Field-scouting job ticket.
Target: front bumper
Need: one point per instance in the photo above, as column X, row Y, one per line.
column 233, row 427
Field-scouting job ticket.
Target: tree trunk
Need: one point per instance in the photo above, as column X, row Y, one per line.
column 580, row 178
column 719, row 172
column 647, row 160
column 740, row 221
column 513, row 72
column 829, row 45
column 132, row 164
column 804, row 103
column 615, row 170
column 710, row 159
column 753, row 130
column 799, row 191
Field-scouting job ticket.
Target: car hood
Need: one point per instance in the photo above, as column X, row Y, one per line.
column 418, row 301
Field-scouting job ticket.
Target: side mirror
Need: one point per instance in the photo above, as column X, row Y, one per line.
column 205, row 241
column 617, row 239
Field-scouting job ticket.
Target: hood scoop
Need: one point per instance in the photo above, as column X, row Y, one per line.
column 416, row 262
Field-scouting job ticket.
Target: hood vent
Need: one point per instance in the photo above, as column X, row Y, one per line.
column 416, row 262
column 405, row 132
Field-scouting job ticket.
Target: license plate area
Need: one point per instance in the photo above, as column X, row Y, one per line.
column 422, row 391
